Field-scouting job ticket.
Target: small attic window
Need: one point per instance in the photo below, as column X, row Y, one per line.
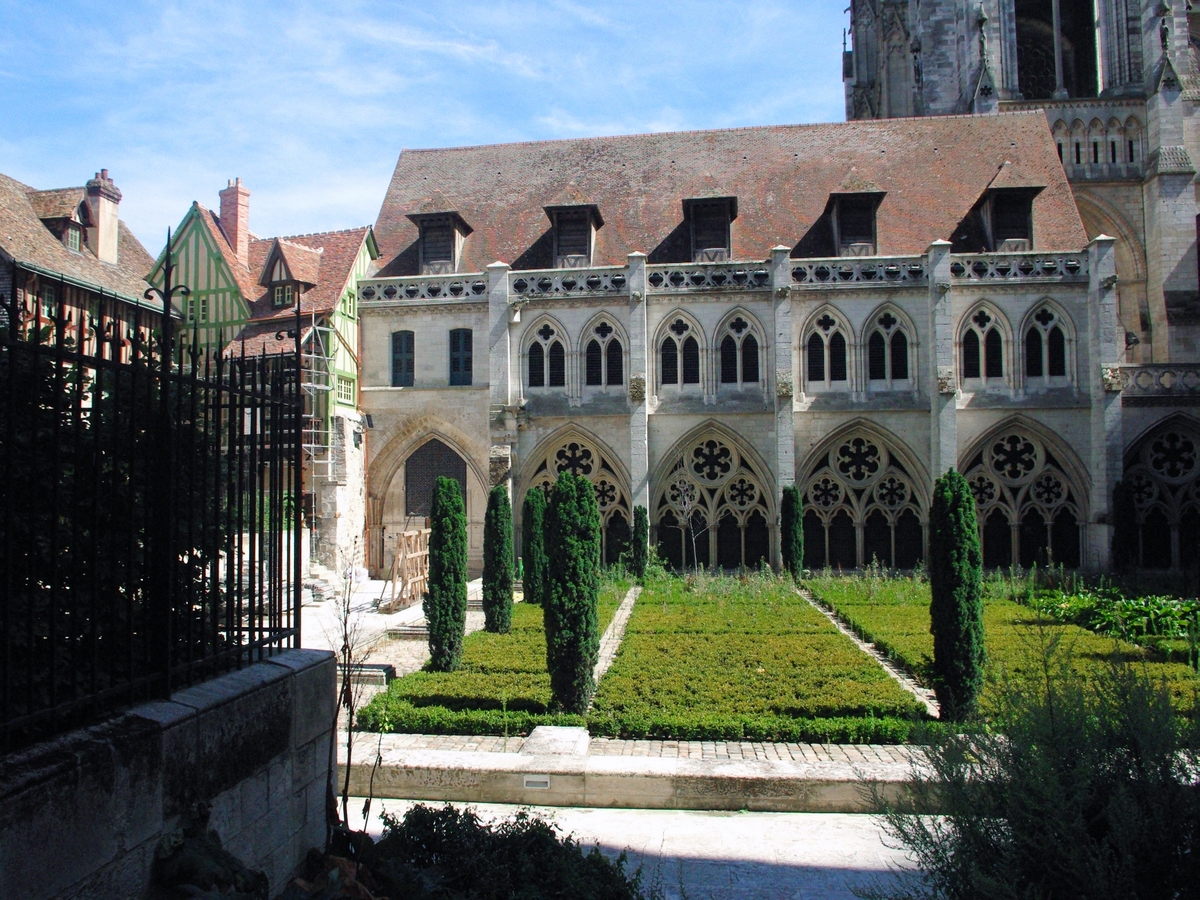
column 710, row 224
column 73, row 237
column 1011, row 219
column 853, row 220
column 440, row 242
column 283, row 289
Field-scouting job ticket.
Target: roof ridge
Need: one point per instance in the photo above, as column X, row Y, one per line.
column 798, row 126
column 287, row 237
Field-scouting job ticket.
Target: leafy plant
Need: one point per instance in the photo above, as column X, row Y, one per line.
column 791, row 529
column 956, row 608
column 445, row 603
column 497, row 562
column 448, row 853
column 573, row 557
column 1085, row 788
column 533, row 546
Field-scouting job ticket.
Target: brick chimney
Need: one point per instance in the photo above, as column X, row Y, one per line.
column 235, row 219
column 102, row 199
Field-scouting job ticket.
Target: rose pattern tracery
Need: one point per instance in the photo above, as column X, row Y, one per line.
column 984, row 489
column 891, row 492
column 858, row 459
column 742, row 493
column 1013, row 457
column 1173, row 456
column 712, row 460
column 826, row 493
column 574, row 458
column 1048, row 490
column 606, row 493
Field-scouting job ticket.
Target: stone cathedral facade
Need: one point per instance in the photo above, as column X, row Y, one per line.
column 695, row 321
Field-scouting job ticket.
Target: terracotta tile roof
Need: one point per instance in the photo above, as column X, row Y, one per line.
column 933, row 170
column 325, row 260
column 60, row 203
column 245, row 281
column 269, row 337
column 24, row 238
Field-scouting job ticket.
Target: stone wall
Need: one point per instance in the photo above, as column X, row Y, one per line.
column 81, row 816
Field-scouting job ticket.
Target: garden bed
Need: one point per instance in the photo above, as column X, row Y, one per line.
column 502, row 687
column 731, row 659
column 893, row 613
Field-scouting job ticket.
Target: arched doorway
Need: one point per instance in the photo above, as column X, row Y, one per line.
column 422, row 469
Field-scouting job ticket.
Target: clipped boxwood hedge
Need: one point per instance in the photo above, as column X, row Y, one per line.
column 502, row 686
column 894, row 615
column 744, row 659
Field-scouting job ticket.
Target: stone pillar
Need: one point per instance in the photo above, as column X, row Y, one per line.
column 941, row 378
column 639, row 384
column 1104, row 388
column 502, row 413
column 784, row 386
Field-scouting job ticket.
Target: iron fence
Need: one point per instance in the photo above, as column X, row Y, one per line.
column 149, row 523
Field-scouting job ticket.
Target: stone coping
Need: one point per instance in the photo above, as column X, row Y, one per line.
column 813, row 778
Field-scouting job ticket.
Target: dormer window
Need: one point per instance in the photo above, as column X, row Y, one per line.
column 1001, row 222
column 73, row 238
column 440, row 243
column 852, row 217
column 574, row 234
column 283, row 289
column 710, row 221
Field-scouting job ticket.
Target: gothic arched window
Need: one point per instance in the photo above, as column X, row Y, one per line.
column 1045, row 348
column 739, row 353
column 860, row 504
column 680, row 341
column 887, row 353
column 713, row 509
column 1029, row 511
column 546, row 358
column 983, row 349
column 828, row 355
column 603, row 357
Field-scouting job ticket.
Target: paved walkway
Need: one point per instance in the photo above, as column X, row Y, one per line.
column 601, row 746
column 720, row 855
column 610, row 641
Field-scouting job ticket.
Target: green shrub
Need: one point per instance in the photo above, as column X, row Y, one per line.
column 573, row 557
column 1084, row 788
column 533, row 546
column 791, row 531
column 439, row 854
column 445, row 602
column 497, row 562
column 956, row 608
column 641, row 542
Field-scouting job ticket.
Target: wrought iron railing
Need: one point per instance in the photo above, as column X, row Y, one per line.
column 149, row 529
column 569, row 282
column 696, row 277
column 1020, row 267
column 903, row 271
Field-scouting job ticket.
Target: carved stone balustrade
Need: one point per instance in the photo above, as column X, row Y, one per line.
column 1015, row 267
column 596, row 282
column 734, row 277
column 1161, row 385
column 902, row 271
column 468, row 286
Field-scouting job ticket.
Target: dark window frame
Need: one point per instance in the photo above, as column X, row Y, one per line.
column 461, row 357
column 404, row 360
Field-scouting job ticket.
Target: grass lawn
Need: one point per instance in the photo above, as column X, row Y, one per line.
column 729, row 658
column 502, row 687
column 893, row 613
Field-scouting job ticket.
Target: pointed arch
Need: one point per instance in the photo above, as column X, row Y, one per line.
column 894, row 361
column 1054, row 365
column 543, row 365
column 612, row 344
column 713, row 500
column 1031, row 495
column 866, row 497
column 1162, row 473
column 740, row 344
column 977, row 346
column 828, row 350
column 679, row 327
column 577, row 450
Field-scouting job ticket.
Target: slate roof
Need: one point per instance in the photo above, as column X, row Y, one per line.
column 932, row 170
column 24, row 238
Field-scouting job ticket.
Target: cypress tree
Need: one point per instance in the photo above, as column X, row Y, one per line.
column 640, row 554
column 956, row 611
column 572, row 619
column 445, row 602
column 791, row 532
column 497, row 562
column 533, row 546
column 1124, row 535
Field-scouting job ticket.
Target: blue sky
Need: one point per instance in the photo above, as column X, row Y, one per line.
column 310, row 103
